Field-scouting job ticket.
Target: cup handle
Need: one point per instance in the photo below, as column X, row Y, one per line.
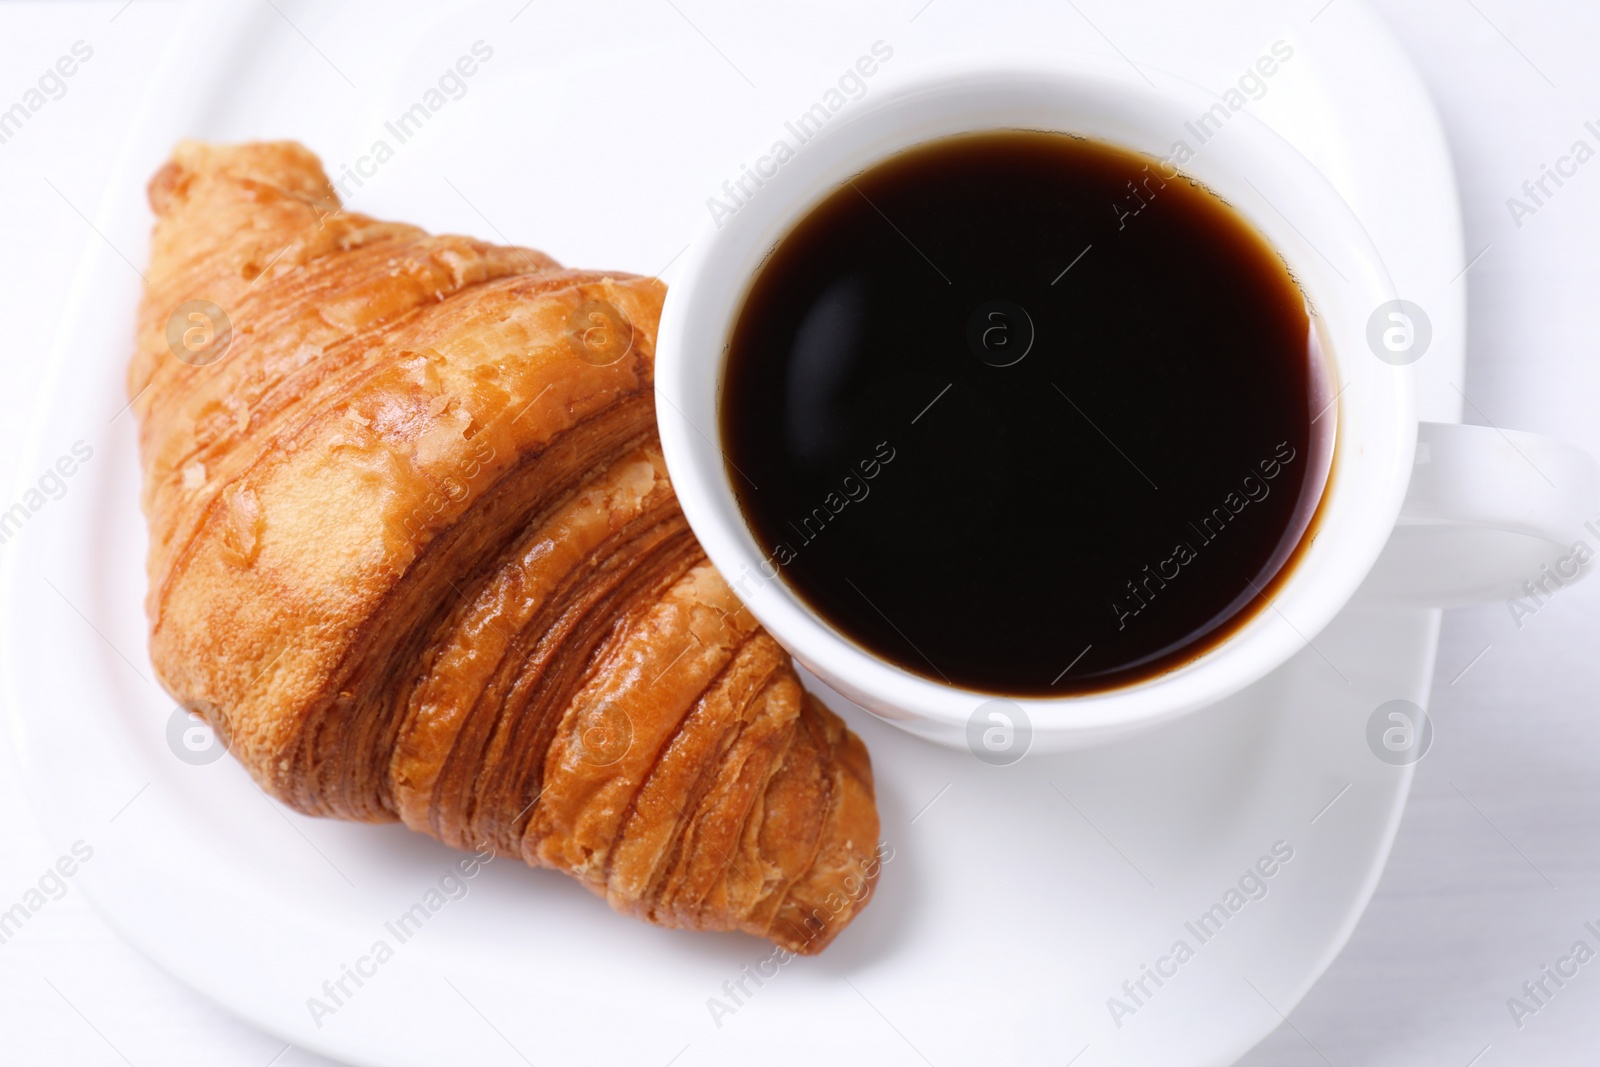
column 1490, row 514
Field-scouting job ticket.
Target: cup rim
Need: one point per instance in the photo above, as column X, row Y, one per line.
column 1374, row 406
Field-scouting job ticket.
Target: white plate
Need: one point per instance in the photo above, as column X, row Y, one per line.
column 1018, row 899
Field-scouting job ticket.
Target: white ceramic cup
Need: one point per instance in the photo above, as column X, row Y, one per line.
column 1472, row 512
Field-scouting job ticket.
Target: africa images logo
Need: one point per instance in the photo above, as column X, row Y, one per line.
column 192, row 739
column 999, row 732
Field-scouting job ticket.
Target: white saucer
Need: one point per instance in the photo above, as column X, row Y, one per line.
column 1018, row 899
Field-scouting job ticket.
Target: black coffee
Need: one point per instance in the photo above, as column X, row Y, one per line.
column 1026, row 413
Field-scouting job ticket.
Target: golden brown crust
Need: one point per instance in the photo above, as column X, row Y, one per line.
column 414, row 553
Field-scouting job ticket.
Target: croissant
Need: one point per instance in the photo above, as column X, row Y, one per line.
column 415, row 556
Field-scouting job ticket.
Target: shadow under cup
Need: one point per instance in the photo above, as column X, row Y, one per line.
column 1027, row 414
